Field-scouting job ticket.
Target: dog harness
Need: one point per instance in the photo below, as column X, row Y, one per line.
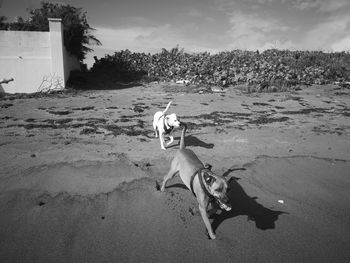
column 167, row 129
column 200, row 178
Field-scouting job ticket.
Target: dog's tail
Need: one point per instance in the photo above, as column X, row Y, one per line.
column 167, row 107
column 182, row 140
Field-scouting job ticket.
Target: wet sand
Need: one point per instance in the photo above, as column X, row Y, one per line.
column 81, row 172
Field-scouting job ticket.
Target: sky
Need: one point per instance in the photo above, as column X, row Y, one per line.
column 208, row 25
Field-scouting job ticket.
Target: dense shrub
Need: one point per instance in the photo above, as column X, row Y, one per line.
column 271, row 67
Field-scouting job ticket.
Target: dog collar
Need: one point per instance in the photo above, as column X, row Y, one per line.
column 200, row 177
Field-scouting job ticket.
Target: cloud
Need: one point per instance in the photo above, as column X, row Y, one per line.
column 150, row 38
column 141, row 38
column 195, row 13
column 120, row 38
column 241, row 22
column 329, row 35
column 303, row 5
column 341, row 45
column 327, row 32
column 249, row 31
column 321, row 5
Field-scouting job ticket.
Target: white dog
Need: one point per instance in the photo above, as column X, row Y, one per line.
column 164, row 124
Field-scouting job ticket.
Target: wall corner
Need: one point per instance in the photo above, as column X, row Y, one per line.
column 56, row 41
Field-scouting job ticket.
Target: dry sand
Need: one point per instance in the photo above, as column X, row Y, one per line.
column 80, row 173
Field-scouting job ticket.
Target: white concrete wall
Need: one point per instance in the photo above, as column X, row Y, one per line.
column 24, row 56
column 36, row 60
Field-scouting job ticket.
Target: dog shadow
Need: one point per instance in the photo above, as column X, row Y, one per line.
column 177, row 185
column 191, row 140
column 242, row 204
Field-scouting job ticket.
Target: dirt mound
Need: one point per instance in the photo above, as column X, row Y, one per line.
column 77, row 178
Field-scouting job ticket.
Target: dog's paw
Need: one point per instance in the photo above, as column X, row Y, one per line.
column 212, row 236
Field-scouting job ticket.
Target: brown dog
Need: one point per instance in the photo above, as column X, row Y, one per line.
column 204, row 184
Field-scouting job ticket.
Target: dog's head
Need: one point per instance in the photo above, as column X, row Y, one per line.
column 217, row 186
column 173, row 120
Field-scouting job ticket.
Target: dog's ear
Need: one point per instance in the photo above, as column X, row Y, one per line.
column 166, row 118
column 208, row 166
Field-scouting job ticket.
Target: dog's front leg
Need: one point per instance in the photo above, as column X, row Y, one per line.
column 171, row 140
column 161, row 138
column 205, row 218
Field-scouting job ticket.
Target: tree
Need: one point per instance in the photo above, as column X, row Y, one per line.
column 19, row 24
column 3, row 23
column 76, row 30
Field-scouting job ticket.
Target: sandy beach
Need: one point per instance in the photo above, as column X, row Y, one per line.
column 80, row 175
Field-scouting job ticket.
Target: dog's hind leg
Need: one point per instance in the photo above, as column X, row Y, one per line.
column 172, row 172
column 155, row 128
